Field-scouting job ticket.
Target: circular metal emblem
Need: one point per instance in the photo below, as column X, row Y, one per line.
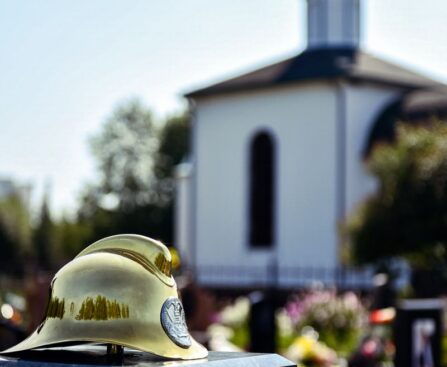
column 173, row 322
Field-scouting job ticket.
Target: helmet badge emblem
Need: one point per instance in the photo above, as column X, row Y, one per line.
column 173, row 322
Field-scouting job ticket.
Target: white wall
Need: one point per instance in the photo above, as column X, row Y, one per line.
column 302, row 120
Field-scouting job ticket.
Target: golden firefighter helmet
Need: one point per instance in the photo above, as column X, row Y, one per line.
column 119, row 291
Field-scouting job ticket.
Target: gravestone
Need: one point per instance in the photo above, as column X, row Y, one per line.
column 418, row 333
column 262, row 322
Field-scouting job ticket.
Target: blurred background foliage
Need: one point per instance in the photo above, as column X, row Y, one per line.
column 407, row 215
column 337, row 318
column 135, row 156
column 15, row 233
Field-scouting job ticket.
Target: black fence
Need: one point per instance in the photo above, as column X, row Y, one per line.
column 289, row 277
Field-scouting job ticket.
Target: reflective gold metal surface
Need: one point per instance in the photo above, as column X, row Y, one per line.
column 117, row 291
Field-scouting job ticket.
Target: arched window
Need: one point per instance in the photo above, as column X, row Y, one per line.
column 262, row 190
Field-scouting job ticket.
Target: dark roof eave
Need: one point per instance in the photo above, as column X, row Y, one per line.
column 325, row 64
column 351, row 78
column 247, row 88
column 409, row 85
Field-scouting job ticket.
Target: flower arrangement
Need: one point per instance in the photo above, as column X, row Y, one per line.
column 308, row 351
column 313, row 329
column 229, row 332
column 337, row 319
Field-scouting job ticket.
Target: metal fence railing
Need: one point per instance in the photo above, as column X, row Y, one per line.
column 289, row 277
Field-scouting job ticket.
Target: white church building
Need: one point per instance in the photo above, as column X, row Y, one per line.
column 277, row 159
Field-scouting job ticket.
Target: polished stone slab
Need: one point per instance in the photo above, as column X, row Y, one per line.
column 96, row 356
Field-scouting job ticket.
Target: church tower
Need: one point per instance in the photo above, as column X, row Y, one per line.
column 333, row 23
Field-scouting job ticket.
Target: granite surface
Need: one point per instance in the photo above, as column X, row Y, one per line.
column 96, row 355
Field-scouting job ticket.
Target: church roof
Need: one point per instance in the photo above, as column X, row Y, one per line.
column 315, row 64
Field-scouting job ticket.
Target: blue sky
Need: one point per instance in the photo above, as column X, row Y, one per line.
column 65, row 64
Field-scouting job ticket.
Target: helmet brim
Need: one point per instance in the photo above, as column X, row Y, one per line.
column 37, row 341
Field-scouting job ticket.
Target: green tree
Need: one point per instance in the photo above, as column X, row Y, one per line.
column 407, row 216
column 71, row 237
column 135, row 158
column 15, row 233
column 94, row 217
column 124, row 151
column 172, row 149
column 173, row 145
column 44, row 237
